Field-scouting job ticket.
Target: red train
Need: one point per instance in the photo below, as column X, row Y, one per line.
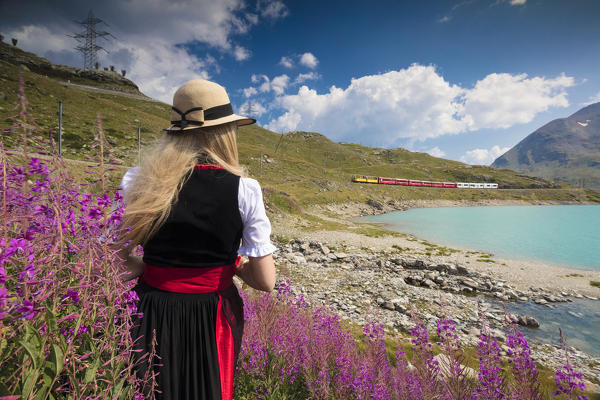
column 412, row 182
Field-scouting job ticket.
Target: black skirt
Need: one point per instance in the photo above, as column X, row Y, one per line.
column 191, row 358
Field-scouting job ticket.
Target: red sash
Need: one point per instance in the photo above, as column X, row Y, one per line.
column 190, row 280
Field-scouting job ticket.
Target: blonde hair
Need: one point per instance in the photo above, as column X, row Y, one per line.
column 155, row 187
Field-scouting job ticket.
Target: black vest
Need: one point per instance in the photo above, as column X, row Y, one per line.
column 204, row 227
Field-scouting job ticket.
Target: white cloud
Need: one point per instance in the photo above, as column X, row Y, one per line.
column 309, row 76
column 250, row 91
column 517, row 2
column 436, row 152
column 417, row 103
column 161, row 69
column 483, row 156
column 445, row 18
column 503, row 100
column 149, row 35
column 265, row 86
column 273, row 9
column 277, row 85
column 252, row 109
column 286, row 62
column 251, row 18
column 309, row 60
column 593, row 99
column 240, row 53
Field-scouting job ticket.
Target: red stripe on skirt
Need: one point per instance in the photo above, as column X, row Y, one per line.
column 203, row 280
column 225, row 353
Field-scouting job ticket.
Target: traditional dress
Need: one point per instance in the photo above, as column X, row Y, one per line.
column 188, row 301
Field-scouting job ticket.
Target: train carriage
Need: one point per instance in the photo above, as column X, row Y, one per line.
column 387, row 181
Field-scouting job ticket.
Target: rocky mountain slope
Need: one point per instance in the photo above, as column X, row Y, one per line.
column 566, row 149
column 30, row 62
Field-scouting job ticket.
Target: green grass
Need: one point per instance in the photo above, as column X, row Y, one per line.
column 595, row 283
column 575, row 275
column 375, row 232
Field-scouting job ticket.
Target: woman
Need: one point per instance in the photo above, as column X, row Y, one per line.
column 189, row 207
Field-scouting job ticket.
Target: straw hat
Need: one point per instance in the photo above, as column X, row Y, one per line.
column 200, row 103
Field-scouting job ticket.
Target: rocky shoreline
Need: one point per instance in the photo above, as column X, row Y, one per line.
column 362, row 284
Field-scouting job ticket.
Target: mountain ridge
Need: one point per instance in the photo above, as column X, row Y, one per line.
column 565, row 149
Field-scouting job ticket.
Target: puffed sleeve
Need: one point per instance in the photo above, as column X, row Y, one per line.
column 256, row 234
column 127, row 178
column 118, row 199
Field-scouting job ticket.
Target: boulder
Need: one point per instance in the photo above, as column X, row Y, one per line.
column 460, row 270
column 413, row 264
column 528, row 321
column 470, row 283
column 375, row 204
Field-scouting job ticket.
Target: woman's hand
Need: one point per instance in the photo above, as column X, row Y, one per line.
column 258, row 272
column 134, row 267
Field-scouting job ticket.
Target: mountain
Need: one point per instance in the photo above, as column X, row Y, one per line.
column 566, row 149
column 299, row 169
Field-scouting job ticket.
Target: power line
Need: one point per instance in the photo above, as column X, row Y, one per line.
column 87, row 40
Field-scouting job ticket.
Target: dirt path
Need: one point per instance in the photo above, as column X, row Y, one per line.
column 108, row 91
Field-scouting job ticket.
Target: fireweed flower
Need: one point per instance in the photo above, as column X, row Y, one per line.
column 3, row 302
column 95, row 213
column 526, row 384
column 82, row 329
column 40, row 186
column 490, row 371
column 132, row 301
column 104, row 201
column 36, row 167
column 27, row 309
column 18, row 175
column 44, row 213
column 27, row 273
column 72, row 294
column 569, row 382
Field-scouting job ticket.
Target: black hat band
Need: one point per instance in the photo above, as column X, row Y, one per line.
column 212, row 113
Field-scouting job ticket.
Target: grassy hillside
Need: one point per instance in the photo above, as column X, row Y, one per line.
column 312, row 169
column 298, row 168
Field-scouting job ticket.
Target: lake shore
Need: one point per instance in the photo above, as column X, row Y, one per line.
column 524, row 275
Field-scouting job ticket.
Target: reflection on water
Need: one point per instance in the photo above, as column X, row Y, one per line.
column 579, row 320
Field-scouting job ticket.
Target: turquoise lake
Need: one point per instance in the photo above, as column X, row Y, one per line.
column 566, row 235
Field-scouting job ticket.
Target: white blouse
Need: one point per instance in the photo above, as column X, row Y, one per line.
column 256, row 233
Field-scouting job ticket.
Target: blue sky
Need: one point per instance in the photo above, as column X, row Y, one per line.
column 464, row 80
